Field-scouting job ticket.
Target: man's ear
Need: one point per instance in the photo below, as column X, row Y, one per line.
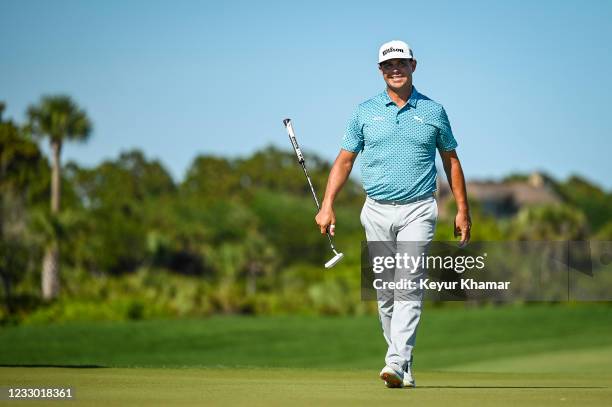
column 414, row 64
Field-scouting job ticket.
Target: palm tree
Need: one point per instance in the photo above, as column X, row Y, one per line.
column 20, row 167
column 57, row 118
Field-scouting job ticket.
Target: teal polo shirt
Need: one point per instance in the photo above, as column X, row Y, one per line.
column 398, row 146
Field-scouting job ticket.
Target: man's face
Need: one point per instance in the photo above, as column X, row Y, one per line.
column 397, row 73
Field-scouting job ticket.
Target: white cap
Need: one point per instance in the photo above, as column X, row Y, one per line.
column 394, row 49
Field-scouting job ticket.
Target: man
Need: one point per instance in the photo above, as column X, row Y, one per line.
column 397, row 133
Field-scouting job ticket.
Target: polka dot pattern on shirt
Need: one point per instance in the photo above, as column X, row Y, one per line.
column 398, row 146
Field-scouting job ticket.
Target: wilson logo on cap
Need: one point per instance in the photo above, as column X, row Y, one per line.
column 385, row 52
column 394, row 49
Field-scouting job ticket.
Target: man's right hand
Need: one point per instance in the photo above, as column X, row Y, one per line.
column 326, row 218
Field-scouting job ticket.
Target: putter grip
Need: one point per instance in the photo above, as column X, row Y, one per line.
column 294, row 142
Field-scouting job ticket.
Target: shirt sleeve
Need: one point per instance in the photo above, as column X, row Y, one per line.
column 445, row 141
column 353, row 136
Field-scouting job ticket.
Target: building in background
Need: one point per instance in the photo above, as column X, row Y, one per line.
column 504, row 199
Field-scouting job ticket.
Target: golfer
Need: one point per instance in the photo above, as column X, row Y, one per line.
column 397, row 133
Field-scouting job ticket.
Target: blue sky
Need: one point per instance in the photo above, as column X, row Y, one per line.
column 525, row 84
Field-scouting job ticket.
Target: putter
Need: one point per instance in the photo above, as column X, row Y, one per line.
column 337, row 256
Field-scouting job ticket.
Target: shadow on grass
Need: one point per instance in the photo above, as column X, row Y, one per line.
column 512, row 387
column 66, row 366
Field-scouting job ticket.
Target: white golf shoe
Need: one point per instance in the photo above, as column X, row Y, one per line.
column 391, row 378
column 408, row 380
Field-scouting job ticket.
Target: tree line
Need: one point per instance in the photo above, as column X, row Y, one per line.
column 238, row 226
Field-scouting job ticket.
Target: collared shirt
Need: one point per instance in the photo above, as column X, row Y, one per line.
column 398, row 146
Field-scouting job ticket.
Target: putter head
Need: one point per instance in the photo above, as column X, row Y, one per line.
column 334, row 260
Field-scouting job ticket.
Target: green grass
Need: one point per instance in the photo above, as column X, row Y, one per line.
column 447, row 337
column 310, row 387
column 534, row 355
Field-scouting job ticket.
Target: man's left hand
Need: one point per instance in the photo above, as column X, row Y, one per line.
column 463, row 226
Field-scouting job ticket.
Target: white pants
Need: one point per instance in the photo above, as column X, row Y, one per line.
column 413, row 223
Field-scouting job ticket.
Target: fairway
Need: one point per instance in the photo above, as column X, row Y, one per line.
column 260, row 387
column 536, row 355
